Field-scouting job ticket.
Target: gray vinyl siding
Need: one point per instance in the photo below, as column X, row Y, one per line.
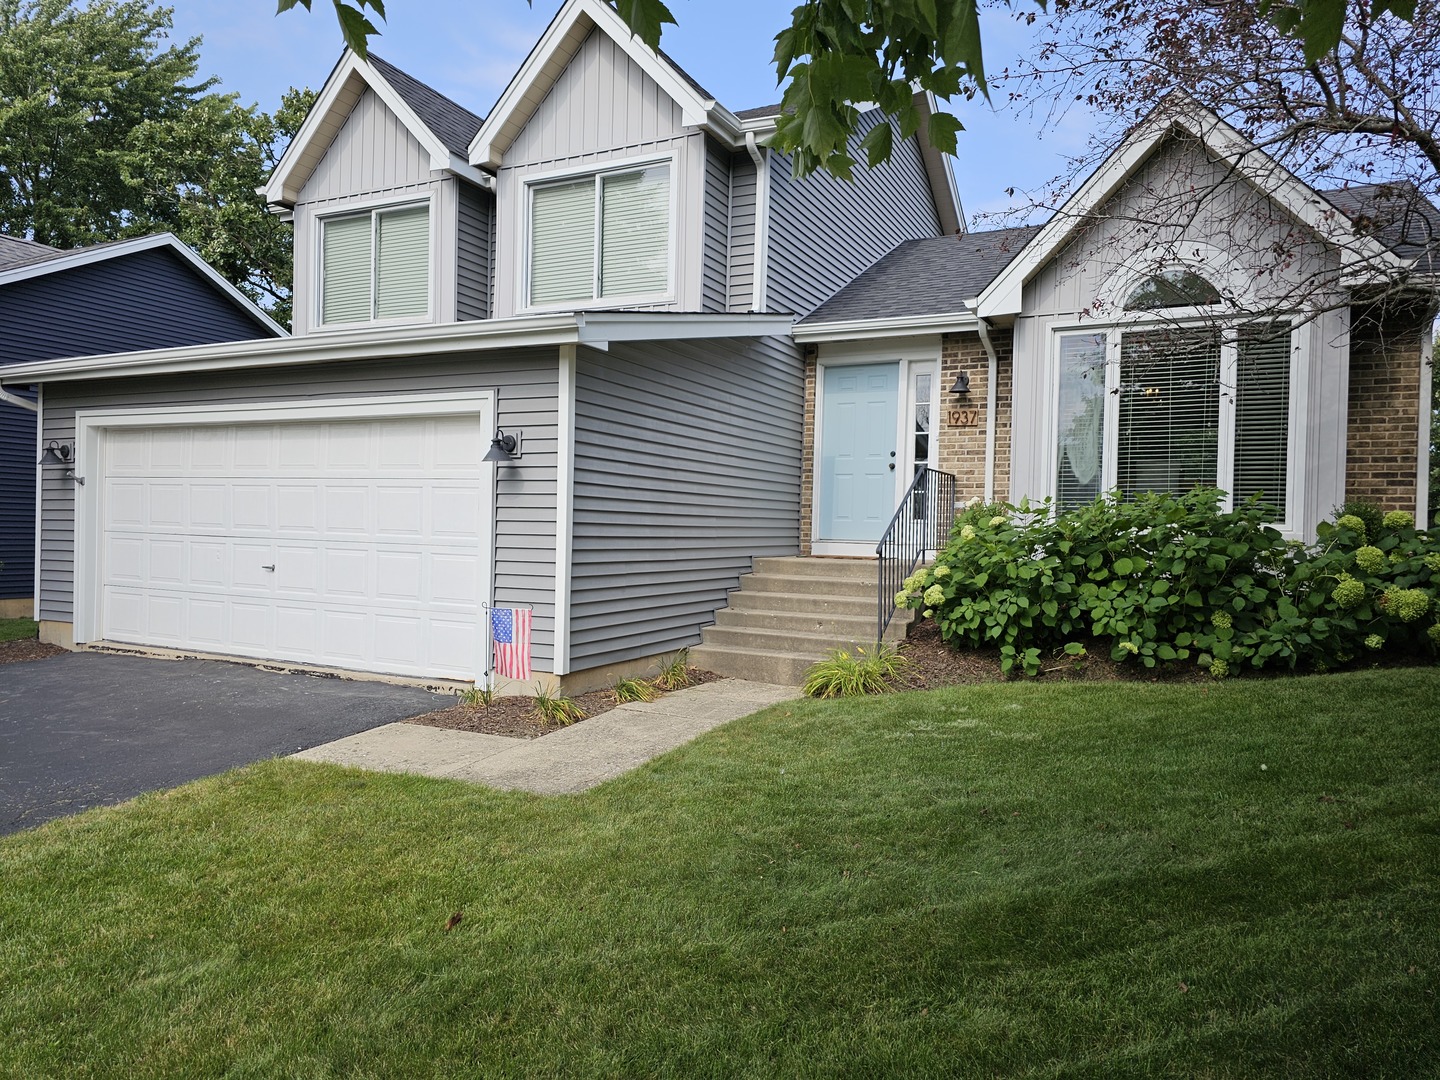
column 687, row 465
column 475, row 254
column 824, row 231
column 372, row 151
column 17, row 498
column 742, row 233
column 715, row 263
column 526, row 382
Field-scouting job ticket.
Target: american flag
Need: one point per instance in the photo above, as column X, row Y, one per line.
column 510, row 631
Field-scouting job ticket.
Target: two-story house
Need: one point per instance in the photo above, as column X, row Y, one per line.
column 599, row 352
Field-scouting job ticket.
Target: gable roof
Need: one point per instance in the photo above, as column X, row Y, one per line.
column 1397, row 215
column 54, row 261
column 17, row 251
column 443, row 127
column 933, row 276
column 1180, row 112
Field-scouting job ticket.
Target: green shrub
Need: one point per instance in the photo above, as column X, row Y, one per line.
column 633, row 690
column 1367, row 513
column 866, row 670
column 476, row 695
column 1165, row 578
column 674, row 671
column 556, row 709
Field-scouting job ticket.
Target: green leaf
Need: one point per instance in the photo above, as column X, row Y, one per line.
column 645, row 19
column 942, row 130
column 1123, row 566
column 355, row 28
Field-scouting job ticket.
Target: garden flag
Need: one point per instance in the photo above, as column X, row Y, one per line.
column 510, row 633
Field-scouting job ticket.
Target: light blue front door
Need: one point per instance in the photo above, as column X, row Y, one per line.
column 858, row 428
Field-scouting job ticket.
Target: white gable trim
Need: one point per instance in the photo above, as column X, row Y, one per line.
column 1179, row 111
column 103, row 252
column 550, row 57
column 338, row 97
column 943, row 188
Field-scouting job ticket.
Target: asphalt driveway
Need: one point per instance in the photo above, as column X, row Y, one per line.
column 87, row 729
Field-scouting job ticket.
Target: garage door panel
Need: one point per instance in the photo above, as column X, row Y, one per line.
column 376, row 530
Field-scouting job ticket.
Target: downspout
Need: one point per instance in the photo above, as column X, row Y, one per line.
column 991, row 396
column 11, row 399
column 758, row 290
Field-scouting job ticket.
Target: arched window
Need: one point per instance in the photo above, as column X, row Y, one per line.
column 1177, row 287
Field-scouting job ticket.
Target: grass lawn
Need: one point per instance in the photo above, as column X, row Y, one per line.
column 1103, row 880
column 18, row 629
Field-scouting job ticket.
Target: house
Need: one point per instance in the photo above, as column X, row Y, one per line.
column 600, row 355
column 145, row 293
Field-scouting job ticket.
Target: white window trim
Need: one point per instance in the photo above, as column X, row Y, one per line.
column 372, row 206
column 1183, row 318
column 598, row 171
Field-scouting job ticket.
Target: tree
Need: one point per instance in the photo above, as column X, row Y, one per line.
column 836, row 53
column 106, row 133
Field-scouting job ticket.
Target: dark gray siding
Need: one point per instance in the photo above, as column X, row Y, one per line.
column 146, row 300
column 742, row 233
column 825, row 231
column 714, row 267
column 475, row 253
column 526, row 382
column 17, row 498
column 687, row 465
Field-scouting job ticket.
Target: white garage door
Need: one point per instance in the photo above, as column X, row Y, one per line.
column 349, row 544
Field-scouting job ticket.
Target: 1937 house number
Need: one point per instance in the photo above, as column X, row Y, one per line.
column 964, row 417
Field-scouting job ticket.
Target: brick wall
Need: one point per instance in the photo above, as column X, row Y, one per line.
column 807, row 452
column 1384, row 410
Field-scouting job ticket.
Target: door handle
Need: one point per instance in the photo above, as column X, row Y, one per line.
column 892, row 466
column 271, row 567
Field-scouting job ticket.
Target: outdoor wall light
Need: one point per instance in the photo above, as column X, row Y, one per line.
column 503, row 447
column 61, row 455
column 962, row 384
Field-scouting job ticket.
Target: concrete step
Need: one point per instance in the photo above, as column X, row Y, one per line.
column 830, row 569
column 808, row 585
column 740, row 600
column 789, row 641
column 757, row 665
column 807, row 621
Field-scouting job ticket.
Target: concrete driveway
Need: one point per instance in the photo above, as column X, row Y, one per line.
column 87, row 729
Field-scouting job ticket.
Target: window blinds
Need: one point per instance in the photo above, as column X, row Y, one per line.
column 562, row 242
column 1169, row 412
column 635, row 233
column 402, row 263
column 1262, row 414
column 345, row 268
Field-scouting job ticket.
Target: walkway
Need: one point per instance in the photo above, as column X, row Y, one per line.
column 569, row 760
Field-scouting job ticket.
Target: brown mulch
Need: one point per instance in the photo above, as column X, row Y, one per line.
column 13, row 652
column 515, row 716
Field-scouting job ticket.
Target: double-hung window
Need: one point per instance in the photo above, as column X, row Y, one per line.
column 375, row 265
column 1167, row 405
column 601, row 237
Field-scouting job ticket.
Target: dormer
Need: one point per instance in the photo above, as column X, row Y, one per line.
column 393, row 226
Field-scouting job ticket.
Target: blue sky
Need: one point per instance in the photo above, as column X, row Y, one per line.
column 468, row 49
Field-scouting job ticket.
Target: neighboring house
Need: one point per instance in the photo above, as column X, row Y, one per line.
column 146, row 293
column 610, row 268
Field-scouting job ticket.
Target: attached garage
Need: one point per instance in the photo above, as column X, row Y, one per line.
column 350, row 534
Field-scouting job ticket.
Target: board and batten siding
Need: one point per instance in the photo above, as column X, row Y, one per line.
column 475, row 252
column 823, row 232
column 687, row 466
column 742, row 233
column 374, row 158
column 1212, row 209
column 526, row 385
column 602, row 111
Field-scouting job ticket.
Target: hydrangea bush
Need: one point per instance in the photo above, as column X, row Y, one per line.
column 1167, row 578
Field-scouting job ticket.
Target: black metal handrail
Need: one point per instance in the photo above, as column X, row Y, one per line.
column 921, row 523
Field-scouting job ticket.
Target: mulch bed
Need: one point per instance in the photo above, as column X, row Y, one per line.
column 515, row 716
column 12, row 652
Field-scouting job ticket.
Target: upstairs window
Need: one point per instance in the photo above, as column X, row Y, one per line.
column 1172, row 289
column 375, row 266
column 603, row 237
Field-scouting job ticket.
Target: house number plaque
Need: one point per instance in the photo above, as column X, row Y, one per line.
column 964, row 417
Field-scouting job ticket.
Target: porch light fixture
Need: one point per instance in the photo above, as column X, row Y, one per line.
column 503, row 447
column 962, row 384
column 61, row 455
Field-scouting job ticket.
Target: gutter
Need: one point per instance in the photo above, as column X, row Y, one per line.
column 24, row 403
column 991, row 396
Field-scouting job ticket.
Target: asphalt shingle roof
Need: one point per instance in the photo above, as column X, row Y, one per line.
column 452, row 123
column 934, row 276
column 16, row 251
column 1397, row 215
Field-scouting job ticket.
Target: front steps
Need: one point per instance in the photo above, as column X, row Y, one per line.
column 791, row 612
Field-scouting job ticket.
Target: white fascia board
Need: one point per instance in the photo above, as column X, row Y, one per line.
column 487, row 149
column 599, row 328
column 868, row 329
column 104, row 252
column 943, row 188
column 278, row 190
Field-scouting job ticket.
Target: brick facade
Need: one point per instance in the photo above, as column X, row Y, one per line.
column 1382, row 439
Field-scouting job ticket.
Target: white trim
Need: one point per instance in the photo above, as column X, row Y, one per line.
column 103, row 252
column 1427, row 383
column 596, row 329
column 617, row 166
column 877, row 329
column 992, row 397
column 19, row 402
column 949, row 209
column 1178, row 110
column 760, row 271
column 374, row 206
column 39, row 493
column 564, row 506
column 1218, row 267
column 91, row 427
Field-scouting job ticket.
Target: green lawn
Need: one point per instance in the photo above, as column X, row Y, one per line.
column 1240, row 879
column 16, row 629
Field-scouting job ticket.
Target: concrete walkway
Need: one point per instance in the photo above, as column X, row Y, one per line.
column 569, row 760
